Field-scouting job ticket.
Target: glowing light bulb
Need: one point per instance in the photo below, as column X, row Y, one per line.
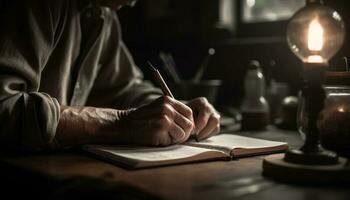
column 315, row 33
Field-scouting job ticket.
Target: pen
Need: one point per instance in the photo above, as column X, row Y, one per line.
column 160, row 81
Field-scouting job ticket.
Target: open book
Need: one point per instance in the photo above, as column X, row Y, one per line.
column 224, row 146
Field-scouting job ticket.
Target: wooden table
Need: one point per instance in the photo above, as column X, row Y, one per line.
column 71, row 173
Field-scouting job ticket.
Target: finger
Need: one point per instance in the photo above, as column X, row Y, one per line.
column 201, row 120
column 203, row 110
column 177, row 134
column 212, row 127
column 168, row 126
column 182, row 109
column 186, row 125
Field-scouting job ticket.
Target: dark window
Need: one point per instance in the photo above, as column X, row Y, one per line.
column 269, row 10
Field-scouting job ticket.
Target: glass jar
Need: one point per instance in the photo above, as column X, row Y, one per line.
column 255, row 108
column 334, row 120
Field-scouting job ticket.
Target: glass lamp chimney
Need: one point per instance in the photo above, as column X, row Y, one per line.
column 315, row 33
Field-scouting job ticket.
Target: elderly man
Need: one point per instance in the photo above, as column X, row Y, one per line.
column 68, row 79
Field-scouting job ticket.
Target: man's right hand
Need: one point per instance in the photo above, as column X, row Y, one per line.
column 163, row 122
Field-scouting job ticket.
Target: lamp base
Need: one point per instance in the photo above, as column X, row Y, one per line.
column 323, row 157
column 277, row 168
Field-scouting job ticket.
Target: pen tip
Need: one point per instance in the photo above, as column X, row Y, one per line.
column 150, row 64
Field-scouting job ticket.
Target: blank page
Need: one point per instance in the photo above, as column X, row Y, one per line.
column 228, row 142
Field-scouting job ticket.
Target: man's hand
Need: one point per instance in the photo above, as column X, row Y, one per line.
column 163, row 122
column 206, row 118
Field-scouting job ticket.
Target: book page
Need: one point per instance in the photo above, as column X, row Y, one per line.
column 148, row 154
column 229, row 142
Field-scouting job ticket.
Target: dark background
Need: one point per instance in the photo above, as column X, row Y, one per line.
column 187, row 28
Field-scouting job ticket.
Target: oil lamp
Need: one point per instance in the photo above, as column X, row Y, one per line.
column 315, row 33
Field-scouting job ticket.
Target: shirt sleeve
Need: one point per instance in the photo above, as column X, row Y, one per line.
column 28, row 118
column 120, row 82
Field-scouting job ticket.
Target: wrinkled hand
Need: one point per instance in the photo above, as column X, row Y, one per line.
column 163, row 122
column 206, row 118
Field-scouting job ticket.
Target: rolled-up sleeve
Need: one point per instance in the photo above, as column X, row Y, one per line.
column 120, row 82
column 28, row 118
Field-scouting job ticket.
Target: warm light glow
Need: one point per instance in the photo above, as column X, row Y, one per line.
column 315, row 36
column 341, row 109
column 315, row 59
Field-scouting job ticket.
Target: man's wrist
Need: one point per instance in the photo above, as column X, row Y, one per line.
column 90, row 125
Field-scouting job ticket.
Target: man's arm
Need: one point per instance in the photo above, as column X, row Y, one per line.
column 28, row 118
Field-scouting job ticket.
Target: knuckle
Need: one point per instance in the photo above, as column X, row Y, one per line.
column 167, row 109
column 164, row 122
column 203, row 100
column 184, row 138
column 167, row 99
column 188, row 112
column 216, row 116
column 188, row 126
column 181, row 136
column 201, row 122
column 208, row 108
column 215, row 119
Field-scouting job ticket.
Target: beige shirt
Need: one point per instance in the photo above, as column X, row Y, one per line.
column 58, row 52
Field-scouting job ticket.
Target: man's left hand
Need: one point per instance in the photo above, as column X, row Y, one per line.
column 206, row 118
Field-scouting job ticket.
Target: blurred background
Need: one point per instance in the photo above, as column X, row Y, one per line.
column 238, row 30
